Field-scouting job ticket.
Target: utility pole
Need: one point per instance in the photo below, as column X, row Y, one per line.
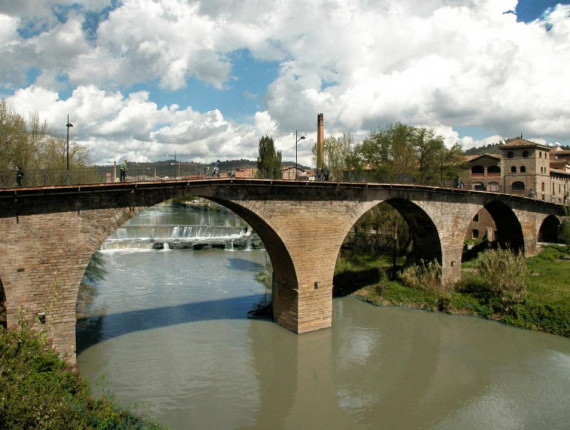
column 67, row 164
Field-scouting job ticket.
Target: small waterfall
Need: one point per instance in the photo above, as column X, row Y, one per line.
column 178, row 237
column 121, row 233
column 166, row 247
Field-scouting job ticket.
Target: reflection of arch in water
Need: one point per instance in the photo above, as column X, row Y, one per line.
column 549, row 229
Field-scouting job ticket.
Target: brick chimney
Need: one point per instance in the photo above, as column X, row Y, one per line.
column 320, row 142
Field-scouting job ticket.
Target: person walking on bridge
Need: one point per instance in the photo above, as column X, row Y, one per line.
column 19, row 176
column 123, row 171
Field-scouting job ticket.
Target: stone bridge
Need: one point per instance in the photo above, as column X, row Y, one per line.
column 49, row 235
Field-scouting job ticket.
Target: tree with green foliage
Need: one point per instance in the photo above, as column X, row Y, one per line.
column 31, row 145
column 269, row 160
column 401, row 152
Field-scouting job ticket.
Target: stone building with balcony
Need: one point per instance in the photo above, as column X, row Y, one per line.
column 524, row 168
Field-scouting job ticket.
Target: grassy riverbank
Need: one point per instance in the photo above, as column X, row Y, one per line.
column 38, row 390
column 546, row 305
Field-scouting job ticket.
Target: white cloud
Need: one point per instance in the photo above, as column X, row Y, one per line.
column 447, row 64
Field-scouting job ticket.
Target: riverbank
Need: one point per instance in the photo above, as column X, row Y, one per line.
column 546, row 306
column 41, row 391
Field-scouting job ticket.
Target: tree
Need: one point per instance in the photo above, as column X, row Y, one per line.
column 389, row 153
column 337, row 152
column 402, row 153
column 269, row 161
column 32, row 146
column 12, row 138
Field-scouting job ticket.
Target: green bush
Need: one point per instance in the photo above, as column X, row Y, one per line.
column 424, row 276
column 550, row 318
column 503, row 273
column 39, row 390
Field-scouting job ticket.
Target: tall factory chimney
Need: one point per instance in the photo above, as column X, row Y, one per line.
column 320, row 142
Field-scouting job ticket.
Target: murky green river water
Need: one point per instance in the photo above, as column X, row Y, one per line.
column 168, row 337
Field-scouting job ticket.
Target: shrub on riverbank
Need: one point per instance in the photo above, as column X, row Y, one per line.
column 503, row 275
column 39, row 390
column 544, row 307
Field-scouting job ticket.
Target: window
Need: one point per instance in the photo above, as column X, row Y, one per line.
column 479, row 186
column 518, row 186
column 523, row 169
column 494, row 170
column 513, row 169
column 543, row 187
column 525, row 154
column 493, row 186
column 539, row 154
column 510, row 154
column 476, row 218
column 475, row 233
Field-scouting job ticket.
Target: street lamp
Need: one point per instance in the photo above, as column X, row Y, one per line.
column 297, row 141
column 67, row 164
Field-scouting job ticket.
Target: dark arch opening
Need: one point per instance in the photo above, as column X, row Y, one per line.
column 518, row 186
column 550, row 229
column 509, row 231
column 425, row 238
column 477, row 170
column 494, row 170
column 396, row 232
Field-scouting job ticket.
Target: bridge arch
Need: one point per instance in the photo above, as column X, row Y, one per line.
column 509, row 232
column 285, row 280
column 425, row 237
column 549, row 229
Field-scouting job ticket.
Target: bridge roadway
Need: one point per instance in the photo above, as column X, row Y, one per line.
column 50, row 233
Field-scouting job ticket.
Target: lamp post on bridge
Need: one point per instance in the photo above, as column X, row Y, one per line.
column 67, row 163
column 297, row 141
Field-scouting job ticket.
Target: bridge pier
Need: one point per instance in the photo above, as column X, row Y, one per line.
column 303, row 239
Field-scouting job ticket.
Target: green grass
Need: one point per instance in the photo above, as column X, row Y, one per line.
column 546, row 306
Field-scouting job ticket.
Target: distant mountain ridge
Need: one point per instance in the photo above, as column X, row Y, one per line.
column 492, row 148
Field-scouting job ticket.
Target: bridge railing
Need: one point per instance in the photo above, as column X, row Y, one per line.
column 94, row 175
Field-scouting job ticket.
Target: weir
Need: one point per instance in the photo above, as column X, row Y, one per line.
column 178, row 237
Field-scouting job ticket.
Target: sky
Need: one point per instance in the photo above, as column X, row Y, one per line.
column 205, row 80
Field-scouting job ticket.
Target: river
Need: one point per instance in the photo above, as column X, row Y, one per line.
column 168, row 337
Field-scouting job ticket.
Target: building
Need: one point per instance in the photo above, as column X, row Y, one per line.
column 524, row 168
